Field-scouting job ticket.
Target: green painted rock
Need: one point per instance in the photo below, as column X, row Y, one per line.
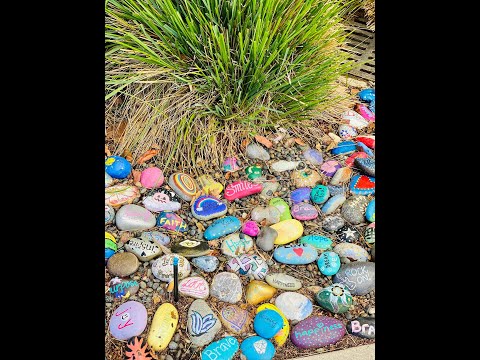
column 253, row 172
column 282, row 206
column 335, row 298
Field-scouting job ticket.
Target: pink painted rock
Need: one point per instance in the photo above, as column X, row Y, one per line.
column 368, row 140
column 365, row 112
column 351, row 158
column 240, row 189
column 250, row 228
column 329, row 168
column 152, row 178
column 304, row 211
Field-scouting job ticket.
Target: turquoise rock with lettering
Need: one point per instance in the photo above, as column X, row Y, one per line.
column 257, row 348
column 370, row 212
column 223, row 349
column 295, row 254
column 320, row 194
column 329, row 263
column 267, row 323
column 319, row 242
column 222, row 227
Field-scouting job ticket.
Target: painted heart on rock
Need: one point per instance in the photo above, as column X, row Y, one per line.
column 362, row 185
column 298, row 251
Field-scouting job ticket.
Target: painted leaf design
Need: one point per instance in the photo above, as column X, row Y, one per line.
column 200, row 325
column 137, row 349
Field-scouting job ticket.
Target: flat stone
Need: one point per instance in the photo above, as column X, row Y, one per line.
column 366, row 113
column 235, row 319
column 222, row 227
column 316, row 332
column 163, row 327
column 162, row 200
column 351, row 251
column 191, row 248
column 208, row 185
column 351, row 159
column 305, row 178
column 253, row 172
column 156, row 236
column 108, row 180
column 329, row 263
column 258, row 291
column 118, row 195
column 122, row 288
column 184, row 185
column 354, row 119
column 335, row 298
column 128, row 320
column 250, row 228
column 333, row 204
column 282, row 206
column 294, row 306
column 319, row 242
column 207, row 207
column 332, row 223
column 304, row 212
column 202, row 323
column 300, row 195
column 313, row 156
column 117, row 167
column 366, row 166
column 133, row 217
column 223, row 349
column 206, row 263
column 288, row 231
column 227, row 287
column 283, row 281
column 109, row 214
column 268, row 189
column 162, row 268
column 255, row 151
column 353, row 209
column 358, row 277
column 257, row 348
column 283, row 165
column 270, row 214
column 122, row 264
column 266, row 238
column 362, row 185
column 267, row 323
column 295, row 254
column 363, row 327
column 369, row 234
column 240, row 189
column 347, row 233
column 344, row 147
column 370, row 211
column 144, row 250
column 346, row 132
column 171, row 221
column 329, row 168
column 282, row 335
column 151, row 178
column 230, row 165
column 319, row 194
column 195, row 287
column 341, row 176
column 234, row 244
column 250, row 265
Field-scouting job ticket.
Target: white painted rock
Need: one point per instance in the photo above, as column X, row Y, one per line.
column 195, row 287
column 162, row 268
column 283, row 281
column 284, row 165
column 354, row 119
column 133, row 217
column 294, row 306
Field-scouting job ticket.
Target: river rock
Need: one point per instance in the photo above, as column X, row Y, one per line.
column 202, row 323
column 162, row 268
column 110, row 245
column 230, row 165
column 364, row 148
column 122, row 264
column 108, row 180
column 253, row 172
column 145, row 250
column 156, row 236
column 250, row 265
column 295, row 254
column 363, row 327
column 367, row 95
column 267, row 323
column 358, row 277
column 258, row 291
column 184, row 185
column 255, row 151
column 353, row 210
column 283, row 281
column 344, row 147
column 128, row 320
column 122, row 288
column 151, row 178
column 319, row 242
column 300, row 195
column 133, row 217
column 171, row 221
column 304, row 211
column 206, row 263
column 236, row 244
column 235, row 319
column 283, row 165
column 313, row 156
column 319, row 194
column 222, row 227
column 329, row 168
column 351, row 159
column 288, row 231
column 346, row 132
column 227, row 287
column 162, row 200
column 195, row 287
column 368, row 140
column 266, row 238
column 369, row 234
column 240, row 189
column 109, row 214
column 268, row 189
column 333, row 204
column 354, row 119
column 335, row 298
column 329, row 263
column 362, row 185
column 332, row 223
column 117, row 167
column 191, row 248
column 366, row 113
column 269, row 213
column 163, row 326
column 208, row 185
column 305, row 178
column 341, row 176
column 294, row 306
column 119, row 195
column 316, row 332
column 282, row 335
column 257, row 348
column 223, row 349
column 207, row 207
column 282, row 206
column 250, row 228
column 353, row 252
column 347, row 233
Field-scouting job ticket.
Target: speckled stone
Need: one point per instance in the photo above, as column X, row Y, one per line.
column 122, row 264
column 366, row 166
column 353, row 209
column 332, row 223
column 227, row 287
column 255, row 151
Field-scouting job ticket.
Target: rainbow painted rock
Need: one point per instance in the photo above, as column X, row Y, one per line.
column 304, row 211
column 295, row 254
column 282, row 335
column 250, row 228
column 207, row 207
column 367, row 95
column 119, row 195
column 319, row 242
column 316, row 332
column 132, row 217
column 240, row 189
column 365, row 112
column 209, row 186
column 288, row 231
column 117, row 167
column 230, row 165
column 329, row 263
column 162, row 268
column 151, row 178
column 110, row 245
column 250, row 265
column 128, row 320
column 364, row 148
column 354, row 119
column 305, row 178
column 257, row 348
column 171, row 221
column 162, row 200
column 335, row 298
column 222, row 227
column 329, row 168
column 164, row 325
column 346, row 132
column 370, row 211
column 368, row 140
column 362, row 185
column 282, row 206
column 183, row 185
column 223, row 349
column 344, row 147
column 350, row 160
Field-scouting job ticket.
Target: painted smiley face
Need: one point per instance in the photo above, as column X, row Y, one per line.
column 161, row 198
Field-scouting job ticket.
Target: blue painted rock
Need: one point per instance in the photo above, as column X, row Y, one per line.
column 353, row 209
column 267, row 323
column 344, row 147
column 335, row 189
column 206, row 263
column 236, row 244
column 304, row 211
column 370, row 212
column 108, row 180
column 333, row 203
column 223, row 349
column 122, row 288
column 110, row 245
column 316, row 332
column 156, row 236
column 319, row 242
column 294, row 306
column 300, row 195
column 358, row 277
column 184, row 185
column 363, row 327
column 347, row 233
column 255, row 151
column 319, row 194
column 282, row 206
column 362, row 185
column 128, row 320
column 191, row 248
column 132, row 217
column 253, row 172
column 257, row 348
column 283, row 165
column 341, row 176
column 162, row 200
column 144, row 250
column 171, row 221
column 270, row 214
column 367, row 95
column 250, row 265
column 346, row 132
column 162, row 268
column 371, row 107
column 117, row 167
column 202, row 323
column 207, row 207
column 332, row 223
column 230, row 165
column 366, row 166
column 329, row 168
column 369, row 235
column 109, row 214
column 313, row 156
column 354, row 119
column 364, row 148
column 335, row 298
column 241, row 188
column 353, row 252
column 329, row 263
column 295, row 254
column 221, row 227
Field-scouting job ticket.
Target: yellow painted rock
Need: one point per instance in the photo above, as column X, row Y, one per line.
column 209, row 186
column 288, row 231
column 163, row 327
column 281, row 337
column 258, row 291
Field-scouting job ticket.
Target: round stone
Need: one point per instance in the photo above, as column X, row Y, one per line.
column 122, row 264
column 202, row 323
column 304, row 212
column 267, row 323
column 206, row 263
column 250, row 228
column 226, row 287
column 250, row 265
column 117, row 167
column 335, row 298
column 353, row 210
column 258, row 291
column 305, row 178
column 313, row 156
column 109, row 214
column 266, row 238
column 347, row 233
column 151, row 178
column 162, row 268
column 346, row 132
column 183, row 185
column 329, row 168
column 133, row 217
column 316, row 332
column 319, row 194
column 128, row 320
column 283, row 281
column 329, row 263
column 294, row 306
column 332, row 223
column 352, row 252
column 235, row 319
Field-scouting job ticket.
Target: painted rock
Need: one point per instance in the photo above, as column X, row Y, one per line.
column 183, row 185
column 282, row 335
column 350, row 160
column 270, row 214
column 207, row 207
column 368, row 140
column 226, row 287
column 304, row 211
column 344, row 147
column 332, row 223
column 253, row 172
column 162, row 200
column 267, row 323
column 171, row 221
column 354, row 119
column 155, row 236
column 162, row 268
column 319, row 194
column 351, row 251
column 365, row 112
column 282, row 206
column 164, row 325
column 230, row 165
column 133, row 217
column 353, row 209
column 240, row 189
column 118, row 195
column 305, row 178
column 283, row 281
column 258, row 291
column 109, row 214
column 110, row 245
column 347, row 233
column 283, row 165
column 191, row 248
column 333, row 204
column 336, row 190
column 117, row 167
column 108, row 180
column 235, row 319
column 362, row 185
column 346, row 132
column 369, row 235
column 144, row 250
column 294, row 306
column 313, row 156
column 371, row 107
column 367, row 95
column 151, row 178
column 329, row 168
column 288, row 231
column 316, row 332
column 223, row 349
column 250, row 228
column 250, row 265
column 209, row 186
column 255, row 151
column 329, row 263
column 358, row 277
column 363, row 327
column 370, row 211
column 128, row 320
column 366, row 166
column 202, row 323
column 335, row 298
column 122, row 264
column 268, row 189
column 341, row 176
column 122, row 288
column 319, row 242
column 221, row 227
column 137, row 349
column 300, row 195
column 236, row 244
column 257, row 348
column 295, row 254
column 266, row 238
column 364, row 148
column 206, row 263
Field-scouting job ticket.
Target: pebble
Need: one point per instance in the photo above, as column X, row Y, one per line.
column 250, row 228
column 122, row 264
column 128, row 320
column 255, row 151
column 282, row 165
column 266, row 238
column 108, row 180
column 209, row 186
column 173, row 345
column 362, row 185
column 316, row 332
column 353, row 252
column 202, row 323
column 206, row 263
column 329, row 263
column 223, row 349
column 295, row 254
column 333, row 204
column 184, row 185
column 171, row 221
column 270, row 214
column 162, row 268
column 363, row 327
column 226, row 287
column 222, row 227
column 236, row 244
column 250, row 265
column 283, row 281
column 347, row 233
column 133, row 217
column 319, row 194
column 335, row 298
column 145, row 250
column 332, row 223
column 257, row 348
column 358, row 277
column 110, row 245
column 341, row 176
column 294, row 306
column 313, row 156
column 267, row 323
column 207, row 207
column 240, row 189
column 118, row 195
column 346, row 132
column 258, row 291
column 109, row 214
column 117, row 167
column 163, row 326
column 329, row 168
column 353, row 209
column 151, row 178
column 195, row 287
column 235, row 319
column 282, row 206
column 162, row 200
column 305, row 178
column 288, row 231
column 300, row 195
column 304, row 211
column 268, row 189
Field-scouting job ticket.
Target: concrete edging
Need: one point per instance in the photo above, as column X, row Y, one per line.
column 364, row 352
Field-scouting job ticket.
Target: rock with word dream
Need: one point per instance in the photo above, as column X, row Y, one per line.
column 249, row 265
column 351, row 159
column 236, row 244
column 110, row 245
column 253, row 172
column 268, row 189
column 117, row 167
column 332, row 223
column 367, row 95
column 347, row 233
column 319, row 242
column 341, row 176
column 155, row 236
column 362, row 185
column 190, row 248
column 295, row 254
column 329, row 263
column 365, row 112
column 300, row 195
column 358, row 277
column 137, row 349
column 329, row 168
column 235, row 319
column 282, row 335
column 250, row 228
column 184, row 185
column 267, row 323
column 227, row 287
column 171, row 221
column 258, row 291
column 119, row 195
column 128, row 320
column 266, row 238
column 344, row 147
column 109, row 214
column 206, row 263
column 305, row 178
column 283, row 165
column 202, row 323
column 304, row 211
column 316, row 332
column 255, row 151
column 335, row 298
column 364, row 148
column 370, row 211
column 369, row 234
column 294, row 306
column 257, row 348
column 368, row 140
column 333, row 204
column 363, row 327
column 132, row 217
column 122, row 264
column 223, row 349
column 240, row 189
column 346, row 132
column 207, row 207
column 270, row 214
column 108, row 180
column 162, row 268
column 230, row 165
column 313, row 156
column 288, row 231
column 122, row 288
column 222, row 227
column 163, row 326
column 366, row 166
column 152, row 178
column 162, row 200
column 353, row 209
column 353, row 252
column 283, row 281
column 354, row 119
column 144, row 250
column 282, row 206
column 319, row 194
column 209, row 186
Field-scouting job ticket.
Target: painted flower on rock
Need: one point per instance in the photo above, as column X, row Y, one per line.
column 335, row 298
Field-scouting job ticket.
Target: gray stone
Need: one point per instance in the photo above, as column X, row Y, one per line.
column 269, row 187
column 133, row 217
column 172, row 345
column 202, row 323
column 332, row 223
column 283, row 281
column 353, row 252
column 206, row 263
column 266, row 238
column 109, row 214
column 353, row 209
column 255, row 151
column 358, row 277
column 227, row 287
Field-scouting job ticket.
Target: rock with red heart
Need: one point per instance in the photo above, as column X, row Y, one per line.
column 362, row 185
column 304, row 211
column 365, row 112
column 240, row 189
column 368, row 140
column 296, row 254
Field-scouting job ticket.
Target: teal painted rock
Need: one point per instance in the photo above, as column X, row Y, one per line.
column 253, row 172
column 329, row 263
column 223, row 349
column 295, row 254
column 370, row 212
column 282, row 206
column 221, row 227
column 319, row 194
column 362, row 185
column 335, row 298
column 257, row 348
column 319, row 242
column 267, row 323
column 333, row 203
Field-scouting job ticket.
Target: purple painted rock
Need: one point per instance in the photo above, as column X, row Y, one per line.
column 317, row 331
column 313, row 156
column 240, row 189
column 329, row 168
column 171, row 221
column 250, row 228
column 128, row 320
column 304, row 211
column 300, row 195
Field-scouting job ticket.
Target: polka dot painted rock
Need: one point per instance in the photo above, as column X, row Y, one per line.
column 128, row 320
column 366, row 166
column 257, row 348
column 346, row 132
column 300, row 195
column 162, row 268
column 282, row 206
column 344, row 147
column 358, row 277
column 316, row 332
column 117, row 167
column 333, row 204
column 370, row 211
column 250, row 265
column 329, row 168
column 319, row 194
column 119, row 195
column 366, row 113
column 132, row 217
column 295, row 254
column 151, row 178
column 347, row 233
column 313, row 156
column 304, row 211
column 109, row 214
column 207, row 207
column 183, row 185
column 369, row 235
column 171, row 221
column 319, row 242
column 222, row 227
column 350, row 160
column 240, row 189
column 335, row 298
column 329, row 263
column 288, row 231
column 162, row 200
column 294, row 306
column 354, row 119
column 353, row 252
column 362, row 185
